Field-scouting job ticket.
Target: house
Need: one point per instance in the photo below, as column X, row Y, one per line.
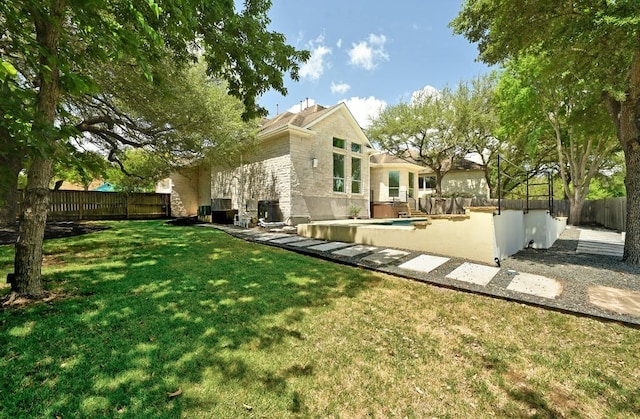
column 311, row 165
column 465, row 178
column 393, row 180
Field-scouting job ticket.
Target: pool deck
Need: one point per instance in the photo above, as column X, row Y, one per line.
column 608, row 299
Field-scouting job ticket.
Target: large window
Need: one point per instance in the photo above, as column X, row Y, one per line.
column 356, row 175
column 338, row 172
column 426, row 182
column 394, row 184
column 411, row 180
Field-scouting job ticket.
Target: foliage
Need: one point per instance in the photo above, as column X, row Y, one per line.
column 139, row 171
column 567, row 119
column 422, row 131
column 590, row 44
column 244, row 330
column 55, row 44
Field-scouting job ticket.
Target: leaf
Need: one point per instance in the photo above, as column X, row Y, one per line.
column 175, row 393
column 7, row 69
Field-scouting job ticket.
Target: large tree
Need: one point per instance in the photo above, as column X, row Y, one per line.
column 422, row 131
column 54, row 43
column 564, row 117
column 594, row 41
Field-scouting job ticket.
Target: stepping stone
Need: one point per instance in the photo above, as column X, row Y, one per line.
column 306, row 243
column 385, row 256
column 271, row 236
column 537, row 285
column 289, row 239
column 424, row 263
column 615, row 299
column 330, row 246
column 474, row 273
column 354, row 251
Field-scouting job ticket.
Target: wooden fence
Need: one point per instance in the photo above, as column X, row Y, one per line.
column 82, row 205
column 610, row 213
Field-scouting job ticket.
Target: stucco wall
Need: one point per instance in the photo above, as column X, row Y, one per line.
column 509, row 234
column 467, row 182
column 469, row 237
column 481, row 236
column 380, row 182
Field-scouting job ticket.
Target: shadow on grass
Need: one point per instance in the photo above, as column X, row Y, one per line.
column 154, row 308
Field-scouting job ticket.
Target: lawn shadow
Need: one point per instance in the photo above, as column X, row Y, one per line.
column 159, row 308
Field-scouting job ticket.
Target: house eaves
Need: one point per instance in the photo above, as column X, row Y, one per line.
column 284, row 130
column 342, row 107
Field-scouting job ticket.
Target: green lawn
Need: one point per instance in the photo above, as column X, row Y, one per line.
column 245, row 330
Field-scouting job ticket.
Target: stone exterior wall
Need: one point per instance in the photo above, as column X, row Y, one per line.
column 264, row 175
column 281, row 169
column 189, row 190
column 312, row 192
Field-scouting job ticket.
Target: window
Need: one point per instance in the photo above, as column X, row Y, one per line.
column 356, row 148
column 411, row 180
column 394, row 184
column 426, row 182
column 338, row 142
column 338, row 172
column 356, row 175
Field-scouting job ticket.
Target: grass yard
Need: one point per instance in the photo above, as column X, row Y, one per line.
column 244, row 330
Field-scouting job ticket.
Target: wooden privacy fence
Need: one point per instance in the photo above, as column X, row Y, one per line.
column 610, row 213
column 83, row 205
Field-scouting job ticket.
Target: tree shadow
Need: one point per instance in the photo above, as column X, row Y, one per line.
column 156, row 308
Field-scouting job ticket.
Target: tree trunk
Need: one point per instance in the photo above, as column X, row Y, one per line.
column 33, row 220
column 632, row 182
column 575, row 212
column 10, row 167
column 28, row 260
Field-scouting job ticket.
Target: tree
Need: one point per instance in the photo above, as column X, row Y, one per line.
column 422, row 131
column 594, row 42
column 476, row 122
column 571, row 120
column 60, row 40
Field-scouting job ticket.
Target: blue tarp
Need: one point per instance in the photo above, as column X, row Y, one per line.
column 105, row 187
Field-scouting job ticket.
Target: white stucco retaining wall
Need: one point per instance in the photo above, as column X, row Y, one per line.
column 480, row 236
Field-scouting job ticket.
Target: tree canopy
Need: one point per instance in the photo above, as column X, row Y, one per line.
column 54, row 46
column 591, row 43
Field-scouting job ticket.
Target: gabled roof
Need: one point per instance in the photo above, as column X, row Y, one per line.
column 380, row 159
column 300, row 119
column 390, row 159
column 304, row 121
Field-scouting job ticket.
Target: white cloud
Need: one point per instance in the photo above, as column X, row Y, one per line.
column 339, row 43
column 340, row 88
column 368, row 54
column 426, row 92
column 365, row 109
column 314, row 68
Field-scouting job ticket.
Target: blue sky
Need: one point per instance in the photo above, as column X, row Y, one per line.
column 370, row 54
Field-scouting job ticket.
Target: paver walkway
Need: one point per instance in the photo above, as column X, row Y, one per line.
column 608, row 302
column 600, row 242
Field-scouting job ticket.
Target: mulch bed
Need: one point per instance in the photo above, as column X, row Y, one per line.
column 54, row 230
